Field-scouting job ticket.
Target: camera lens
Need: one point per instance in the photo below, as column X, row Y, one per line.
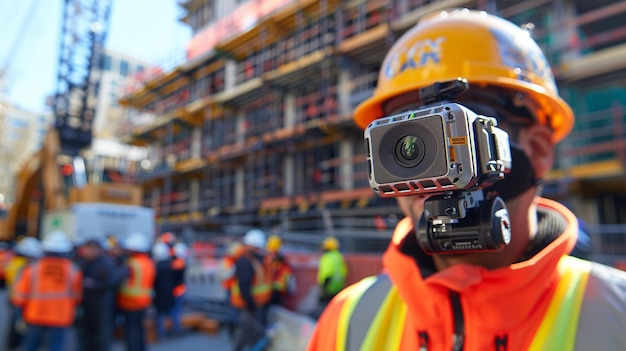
column 408, row 147
column 409, row 151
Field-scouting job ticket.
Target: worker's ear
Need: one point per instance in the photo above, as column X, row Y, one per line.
column 536, row 141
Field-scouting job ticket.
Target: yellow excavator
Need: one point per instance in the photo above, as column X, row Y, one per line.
column 43, row 201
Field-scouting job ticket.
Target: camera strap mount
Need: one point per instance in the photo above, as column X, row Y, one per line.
column 443, row 91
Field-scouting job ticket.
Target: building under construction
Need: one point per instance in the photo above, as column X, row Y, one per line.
column 255, row 129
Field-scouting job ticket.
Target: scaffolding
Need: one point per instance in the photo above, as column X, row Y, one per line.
column 261, row 125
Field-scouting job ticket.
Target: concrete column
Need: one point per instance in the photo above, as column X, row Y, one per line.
column 230, row 74
column 290, row 110
column 346, row 169
column 289, row 175
column 343, row 92
column 194, row 198
column 240, row 187
column 196, row 142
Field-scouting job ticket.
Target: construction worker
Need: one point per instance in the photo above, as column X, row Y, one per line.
column 48, row 292
column 226, row 274
column 284, row 283
column 226, row 270
column 100, row 282
column 168, row 238
column 135, row 293
column 179, row 265
column 332, row 271
column 26, row 250
column 252, row 290
column 164, row 284
column 529, row 295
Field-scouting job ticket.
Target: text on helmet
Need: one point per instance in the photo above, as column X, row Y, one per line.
column 414, row 56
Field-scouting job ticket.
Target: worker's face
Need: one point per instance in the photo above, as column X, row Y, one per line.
column 536, row 142
column 89, row 252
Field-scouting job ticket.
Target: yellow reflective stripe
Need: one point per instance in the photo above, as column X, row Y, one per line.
column 36, row 294
column 559, row 326
column 135, row 289
column 391, row 317
column 347, row 309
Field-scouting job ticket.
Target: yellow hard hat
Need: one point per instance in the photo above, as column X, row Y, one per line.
column 484, row 49
column 330, row 243
column 274, row 243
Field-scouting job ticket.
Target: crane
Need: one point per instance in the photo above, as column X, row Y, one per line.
column 39, row 187
column 84, row 30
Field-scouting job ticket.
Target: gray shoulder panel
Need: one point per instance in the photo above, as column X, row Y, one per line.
column 602, row 321
column 365, row 311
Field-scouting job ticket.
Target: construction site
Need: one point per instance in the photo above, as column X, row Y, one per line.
column 255, row 129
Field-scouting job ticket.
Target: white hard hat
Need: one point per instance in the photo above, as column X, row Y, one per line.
column 56, row 242
column 181, row 250
column 29, row 247
column 160, row 251
column 137, row 242
column 255, row 238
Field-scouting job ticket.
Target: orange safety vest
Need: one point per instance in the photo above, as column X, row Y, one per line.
column 261, row 284
column 282, row 275
column 227, row 272
column 179, row 264
column 385, row 331
column 135, row 293
column 48, row 291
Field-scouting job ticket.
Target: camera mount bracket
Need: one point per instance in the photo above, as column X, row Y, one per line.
column 456, row 222
column 443, row 91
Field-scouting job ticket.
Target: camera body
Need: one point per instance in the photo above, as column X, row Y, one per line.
column 435, row 149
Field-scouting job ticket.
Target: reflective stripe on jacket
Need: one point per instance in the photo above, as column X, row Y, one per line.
column 48, row 291
column 13, row 268
column 135, row 293
column 261, row 284
column 471, row 308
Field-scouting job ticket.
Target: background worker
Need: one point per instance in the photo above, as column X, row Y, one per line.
column 48, row 291
column 332, row 271
column 284, row 283
column 226, row 273
column 27, row 250
column 95, row 327
column 179, row 266
column 529, row 295
column 164, row 283
column 252, row 290
column 135, row 293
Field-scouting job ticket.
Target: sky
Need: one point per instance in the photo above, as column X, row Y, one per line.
column 30, row 41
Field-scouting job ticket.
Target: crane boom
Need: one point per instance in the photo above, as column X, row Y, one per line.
column 84, row 30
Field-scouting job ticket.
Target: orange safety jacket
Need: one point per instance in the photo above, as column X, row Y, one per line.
column 227, row 272
column 48, row 291
column 282, row 273
column 549, row 301
column 135, row 292
column 261, row 283
column 179, row 264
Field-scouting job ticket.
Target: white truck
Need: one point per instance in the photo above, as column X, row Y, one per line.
column 83, row 221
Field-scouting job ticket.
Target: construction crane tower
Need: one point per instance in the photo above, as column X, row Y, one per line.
column 84, row 29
